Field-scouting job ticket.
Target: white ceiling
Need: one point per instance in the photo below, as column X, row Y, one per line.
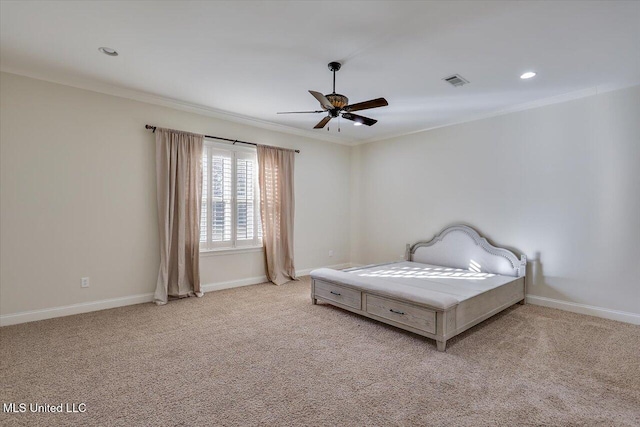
column 252, row 59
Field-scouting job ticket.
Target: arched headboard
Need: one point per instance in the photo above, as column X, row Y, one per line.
column 460, row 246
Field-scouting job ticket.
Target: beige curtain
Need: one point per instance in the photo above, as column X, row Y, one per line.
column 179, row 189
column 275, row 174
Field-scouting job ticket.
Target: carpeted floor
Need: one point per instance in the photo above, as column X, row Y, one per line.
column 264, row 355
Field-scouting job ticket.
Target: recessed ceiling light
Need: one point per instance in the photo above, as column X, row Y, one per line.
column 528, row 75
column 357, row 124
column 108, row 51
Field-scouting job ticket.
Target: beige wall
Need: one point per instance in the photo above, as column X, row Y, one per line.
column 77, row 196
column 559, row 183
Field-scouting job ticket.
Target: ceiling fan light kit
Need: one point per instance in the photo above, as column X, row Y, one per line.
column 337, row 105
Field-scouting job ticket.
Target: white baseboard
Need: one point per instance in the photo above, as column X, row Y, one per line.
column 210, row 287
column 306, row 271
column 67, row 310
column 85, row 307
column 621, row 316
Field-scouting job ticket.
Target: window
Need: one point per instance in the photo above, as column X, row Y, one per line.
column 230, row 216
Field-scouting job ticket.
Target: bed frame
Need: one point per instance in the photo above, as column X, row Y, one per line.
column 458, row 246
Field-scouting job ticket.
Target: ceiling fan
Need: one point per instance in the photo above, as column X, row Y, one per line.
column 335, row 104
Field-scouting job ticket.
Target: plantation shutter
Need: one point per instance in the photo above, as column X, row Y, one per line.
column 230, row 214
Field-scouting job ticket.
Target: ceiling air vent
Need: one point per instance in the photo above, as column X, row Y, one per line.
column 456, row 80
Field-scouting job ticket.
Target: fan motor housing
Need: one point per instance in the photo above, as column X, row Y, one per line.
column 338, row 101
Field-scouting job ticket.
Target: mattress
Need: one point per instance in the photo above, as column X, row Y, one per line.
column 440, row 287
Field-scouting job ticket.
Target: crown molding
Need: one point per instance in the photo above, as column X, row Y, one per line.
column 557, row 99
column 149, row 98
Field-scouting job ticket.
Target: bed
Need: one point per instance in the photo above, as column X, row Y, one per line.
column 442, row 288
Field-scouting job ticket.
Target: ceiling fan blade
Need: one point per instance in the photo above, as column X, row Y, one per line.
column 322, row 123
column 300, row 112
column 373, row 103
column 360, row 119
column 322, row 99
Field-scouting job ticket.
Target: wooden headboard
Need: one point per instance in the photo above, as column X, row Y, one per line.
column 460, row 246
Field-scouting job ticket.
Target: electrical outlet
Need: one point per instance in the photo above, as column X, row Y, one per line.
column 84, row 282
column 331, row 253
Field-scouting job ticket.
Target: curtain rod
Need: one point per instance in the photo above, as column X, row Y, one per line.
column 153, row 128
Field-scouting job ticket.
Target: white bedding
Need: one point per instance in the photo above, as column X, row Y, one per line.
column 440, row 287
